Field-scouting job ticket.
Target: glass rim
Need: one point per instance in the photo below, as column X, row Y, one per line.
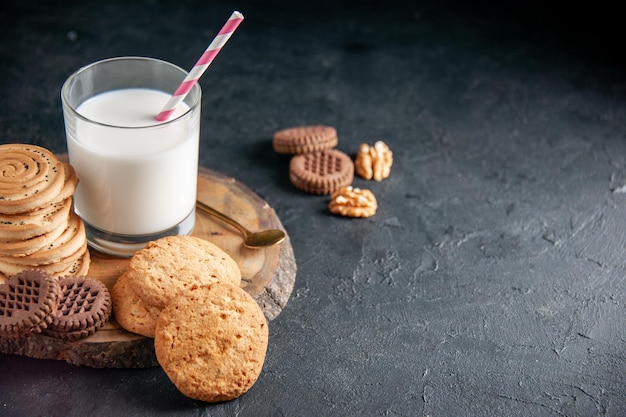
column 66, row 86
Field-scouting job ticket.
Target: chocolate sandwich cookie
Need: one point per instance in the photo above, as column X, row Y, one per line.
column 304, row 139
column 321, row 172
column 84, row 307
column 28, row 301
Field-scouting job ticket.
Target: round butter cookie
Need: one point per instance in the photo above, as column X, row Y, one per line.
column 68, row 243
column 171, row 265
column 30, row 177
column 23, row 226
column 84, row 307
column 211, row 342
column 74, row 265
column 21, row 247
column 28, row 301
column 69, row 186
column 129, row 310
column 321, row 172
column 304, row 139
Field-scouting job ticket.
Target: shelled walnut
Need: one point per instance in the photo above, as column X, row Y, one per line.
column 353, row 202
column 374, row 162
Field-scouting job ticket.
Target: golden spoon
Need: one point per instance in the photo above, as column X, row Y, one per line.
column 253, row 240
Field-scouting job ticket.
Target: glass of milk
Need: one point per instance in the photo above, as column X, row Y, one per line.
column 137, row 177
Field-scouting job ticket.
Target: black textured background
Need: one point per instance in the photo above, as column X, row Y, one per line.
column 491, row 280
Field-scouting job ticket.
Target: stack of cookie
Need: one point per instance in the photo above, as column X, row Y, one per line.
column 38, row 228
column 33, row 301
column 210, row 335
column 315, row 167
column 161, row 272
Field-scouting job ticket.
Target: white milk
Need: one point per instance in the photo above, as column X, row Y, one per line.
column 139, row 178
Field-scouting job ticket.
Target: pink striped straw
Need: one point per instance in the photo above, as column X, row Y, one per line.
column 203, row 63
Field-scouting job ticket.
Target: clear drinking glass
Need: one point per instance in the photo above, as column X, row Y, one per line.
column 137, row 177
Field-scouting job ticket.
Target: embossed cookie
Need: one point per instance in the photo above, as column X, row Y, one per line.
column 28, row 301
column 321, row 172
column 303, row 139
column 84, row 307
column 30, row 177
column 211, row 342
column 168, row 266
column 130, row 311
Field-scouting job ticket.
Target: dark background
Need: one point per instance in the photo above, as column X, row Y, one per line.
column 491, row 280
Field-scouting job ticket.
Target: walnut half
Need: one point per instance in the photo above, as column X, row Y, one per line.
column 353, row 202
column 374, row 162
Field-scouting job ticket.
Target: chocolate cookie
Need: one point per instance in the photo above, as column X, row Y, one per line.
column 28, row 301
column 84, row 307
column 303, row 139
column 321, row 172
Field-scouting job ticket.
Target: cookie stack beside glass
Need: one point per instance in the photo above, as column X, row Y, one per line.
column 38, row 228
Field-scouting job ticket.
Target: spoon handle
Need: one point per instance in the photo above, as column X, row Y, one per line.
column 210, row 210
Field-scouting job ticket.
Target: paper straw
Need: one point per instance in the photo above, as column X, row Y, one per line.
column 203, row 63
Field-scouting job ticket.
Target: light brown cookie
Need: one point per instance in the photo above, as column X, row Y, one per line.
column 71, row 181
column 321, row 172
column 171, row 265
column 130, row 311
column 21, row 247
column 30, row 177
column 76, row 264
column 211, row 342
column 304, row 139
column 23, row 226
column 68, row 243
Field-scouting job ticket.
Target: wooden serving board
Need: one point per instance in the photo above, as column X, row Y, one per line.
column 267, row 274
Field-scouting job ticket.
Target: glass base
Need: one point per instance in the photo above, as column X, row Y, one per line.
column 126, row 245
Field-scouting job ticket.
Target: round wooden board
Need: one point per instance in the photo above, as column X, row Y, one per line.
column 267, row 274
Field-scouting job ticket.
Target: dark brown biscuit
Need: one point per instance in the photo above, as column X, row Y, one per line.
column 321, row 172
column 304, row 139
column 28, row 301
column 84, row 307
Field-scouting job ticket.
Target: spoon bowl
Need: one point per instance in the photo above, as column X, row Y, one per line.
column 252, row 240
